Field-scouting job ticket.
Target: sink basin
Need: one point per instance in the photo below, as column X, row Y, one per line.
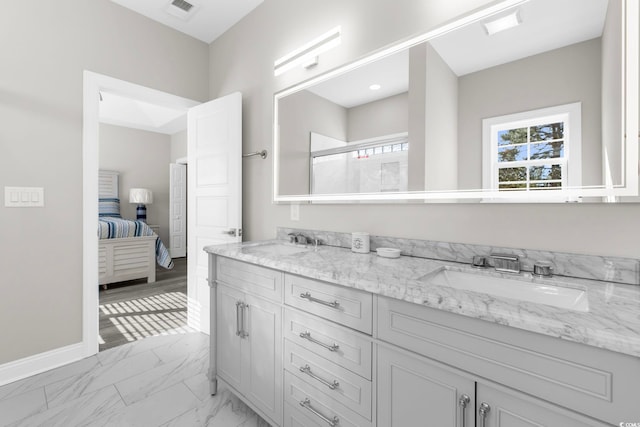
column 518, row 288
column 281, row 249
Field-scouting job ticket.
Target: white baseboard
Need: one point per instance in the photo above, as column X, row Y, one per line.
column 32, row 365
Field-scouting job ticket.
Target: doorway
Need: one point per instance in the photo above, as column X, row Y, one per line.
column 94, row 84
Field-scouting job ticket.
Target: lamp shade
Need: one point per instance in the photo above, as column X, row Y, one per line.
column 140, row 195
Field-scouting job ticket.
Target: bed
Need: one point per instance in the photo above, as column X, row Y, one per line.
column 127, row 250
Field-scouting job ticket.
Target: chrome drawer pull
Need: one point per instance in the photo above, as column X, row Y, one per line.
column 307, row 336
column 306, row 403
column 240, row 307
column 307, row 370
column 483, row 411
column 307, row 295
column 463, row 402
column 238, row 318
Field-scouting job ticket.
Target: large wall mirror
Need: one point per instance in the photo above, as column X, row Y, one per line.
column 528, row 101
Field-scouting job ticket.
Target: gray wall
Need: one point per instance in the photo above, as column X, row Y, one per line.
column 277, row 27
column 441, row 124
column 561, row 76
column 45, row 48
column 178, row 145
column 142, row 158
column 611, row 99
column 321, row 116
column 417, row 114
column 382, row 117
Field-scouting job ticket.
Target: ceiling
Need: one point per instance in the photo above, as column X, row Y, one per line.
column 205, row 21
column 546, row 25
column 352, row 89
column 118, row 110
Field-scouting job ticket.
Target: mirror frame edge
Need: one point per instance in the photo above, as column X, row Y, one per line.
column 630, row 125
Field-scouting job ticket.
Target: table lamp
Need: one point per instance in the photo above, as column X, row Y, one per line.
column 142, row 197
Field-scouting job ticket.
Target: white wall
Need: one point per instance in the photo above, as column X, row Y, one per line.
column 45, row 47
column 278, row 26
column 142, row 158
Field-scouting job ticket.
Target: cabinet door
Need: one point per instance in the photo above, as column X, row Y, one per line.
column 509, row 408
column 262, row 356
column 229, row 343
column 414, row 391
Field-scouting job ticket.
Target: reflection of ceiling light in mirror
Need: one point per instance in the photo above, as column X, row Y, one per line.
column 306, row 53
column 375, row 87
column 502, row 23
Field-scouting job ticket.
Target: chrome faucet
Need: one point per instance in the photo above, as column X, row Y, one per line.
column 506, row 263
column 542, row 269
column 300, row 239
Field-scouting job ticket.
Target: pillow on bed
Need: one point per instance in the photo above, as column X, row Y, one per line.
column 109, row 207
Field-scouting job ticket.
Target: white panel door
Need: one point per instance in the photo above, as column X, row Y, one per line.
column 214, row 212
column 177, row 210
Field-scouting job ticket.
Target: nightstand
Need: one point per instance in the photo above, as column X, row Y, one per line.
column 155, row 228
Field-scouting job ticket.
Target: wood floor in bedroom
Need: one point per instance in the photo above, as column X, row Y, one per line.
column 130, row 311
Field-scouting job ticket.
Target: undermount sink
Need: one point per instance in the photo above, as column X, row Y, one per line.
column 281, row 249
column 518, row 288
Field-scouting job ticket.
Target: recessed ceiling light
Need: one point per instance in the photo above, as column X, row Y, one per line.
column 375, row 87
column 503, row 23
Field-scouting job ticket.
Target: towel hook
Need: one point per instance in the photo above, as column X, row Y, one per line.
column 262, row 154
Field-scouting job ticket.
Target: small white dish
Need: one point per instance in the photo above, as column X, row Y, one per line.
column 388, row 252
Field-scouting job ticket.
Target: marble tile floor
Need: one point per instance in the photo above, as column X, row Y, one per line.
column 157, row 381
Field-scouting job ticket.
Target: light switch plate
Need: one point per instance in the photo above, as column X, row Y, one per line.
column 295, row 212
column 23, row 197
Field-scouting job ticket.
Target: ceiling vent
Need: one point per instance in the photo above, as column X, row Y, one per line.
column 181, row 9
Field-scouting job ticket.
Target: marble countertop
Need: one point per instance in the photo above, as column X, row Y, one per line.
column 612, row 321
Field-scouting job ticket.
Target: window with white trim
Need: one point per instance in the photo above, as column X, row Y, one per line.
column 534, row 150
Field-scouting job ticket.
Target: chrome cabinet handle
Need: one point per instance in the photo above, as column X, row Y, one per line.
column 240, row 307
column 306, row 403
column 483, row 411
column 307, row 336
column 307, row 295
column 307, row 370
column 238, row 318
column 463, row 402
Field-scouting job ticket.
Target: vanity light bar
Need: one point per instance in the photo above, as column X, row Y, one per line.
column 308, row 51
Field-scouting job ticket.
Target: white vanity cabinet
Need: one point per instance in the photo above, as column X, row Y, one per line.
column 328, row 354
column 303, row 352
column 413, row 388
column 249, row 334
column 508, row 366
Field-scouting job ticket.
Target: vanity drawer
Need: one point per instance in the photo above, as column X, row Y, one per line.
column 350, row 389
column 338, row 344
column 339, row 304
column 252, row 278
column 586, row 379
column 319, row 409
